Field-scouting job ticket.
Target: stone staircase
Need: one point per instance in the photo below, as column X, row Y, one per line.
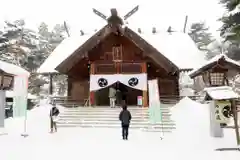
column 106, row 117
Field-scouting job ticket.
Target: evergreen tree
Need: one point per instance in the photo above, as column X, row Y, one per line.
column 48, row 41
column 203, row 39
column 200, row 35
column 230, row 29
column 17, row 43
column 29, row 49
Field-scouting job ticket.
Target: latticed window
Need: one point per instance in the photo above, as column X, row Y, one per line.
column 117, row 53
column 216, row 78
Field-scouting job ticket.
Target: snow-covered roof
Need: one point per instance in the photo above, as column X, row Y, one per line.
column 178, row 47
column 227, row 59
column 220, row 93
column 13, row 69
column 213, row 60
column 66, row 48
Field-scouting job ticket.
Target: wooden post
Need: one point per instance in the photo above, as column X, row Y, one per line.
column 69, row 82
column 145, row 93
column 235, row 118
column 91, row 96
column 50, row 84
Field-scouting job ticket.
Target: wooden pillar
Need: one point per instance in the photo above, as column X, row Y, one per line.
column 235, row 118
column 50, row 84
column 92, row 96
column 69, row 82
column 145, row 93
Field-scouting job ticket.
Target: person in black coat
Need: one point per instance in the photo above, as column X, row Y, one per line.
column 125, row 118
column 54, row 112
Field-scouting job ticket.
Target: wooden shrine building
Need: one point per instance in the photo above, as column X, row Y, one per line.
column 114, row 52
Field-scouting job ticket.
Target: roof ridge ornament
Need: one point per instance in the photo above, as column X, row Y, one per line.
column 114, row 18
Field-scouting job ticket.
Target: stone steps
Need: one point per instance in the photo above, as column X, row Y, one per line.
column 134, row 122
column 108, row 112
column 106, row 117
column 146, row 127
column 108, row 109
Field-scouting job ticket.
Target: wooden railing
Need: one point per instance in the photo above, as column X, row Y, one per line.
column 70, row 102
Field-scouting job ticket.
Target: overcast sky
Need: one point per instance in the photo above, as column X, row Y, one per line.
column 79, row 15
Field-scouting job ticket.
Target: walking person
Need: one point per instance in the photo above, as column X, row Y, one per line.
column 112, row 96
column 54, row 112
column 125, row 118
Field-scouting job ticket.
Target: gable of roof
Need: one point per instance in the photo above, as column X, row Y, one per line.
column 177, row 50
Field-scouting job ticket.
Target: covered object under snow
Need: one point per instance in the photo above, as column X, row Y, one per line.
column 13, row 69
column 10, row 94
column 221, row 93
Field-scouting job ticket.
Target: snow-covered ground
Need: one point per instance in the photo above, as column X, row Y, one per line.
column 191, row 140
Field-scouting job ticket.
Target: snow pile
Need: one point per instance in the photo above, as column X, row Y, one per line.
column 193, row 127
column 192, row 119
column 37, row 121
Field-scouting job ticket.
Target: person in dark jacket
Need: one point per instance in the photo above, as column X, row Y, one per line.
column 125, row 118
column 54, row 112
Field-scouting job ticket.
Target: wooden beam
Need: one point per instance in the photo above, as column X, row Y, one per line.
column 69, row 81
column 92, row 93
column 145, row 93
column 50, row 84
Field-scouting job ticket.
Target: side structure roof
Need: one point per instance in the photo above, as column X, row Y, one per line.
column 177, row 47
column 13, row 69
column 212, row 62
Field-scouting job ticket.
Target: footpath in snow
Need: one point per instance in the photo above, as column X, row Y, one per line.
column 191, row 139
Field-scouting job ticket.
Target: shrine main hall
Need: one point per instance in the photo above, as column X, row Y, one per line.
column 123, row 56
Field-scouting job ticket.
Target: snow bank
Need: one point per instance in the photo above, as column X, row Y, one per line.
column 193, row 127
column 37, row 121
column 192, row 118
